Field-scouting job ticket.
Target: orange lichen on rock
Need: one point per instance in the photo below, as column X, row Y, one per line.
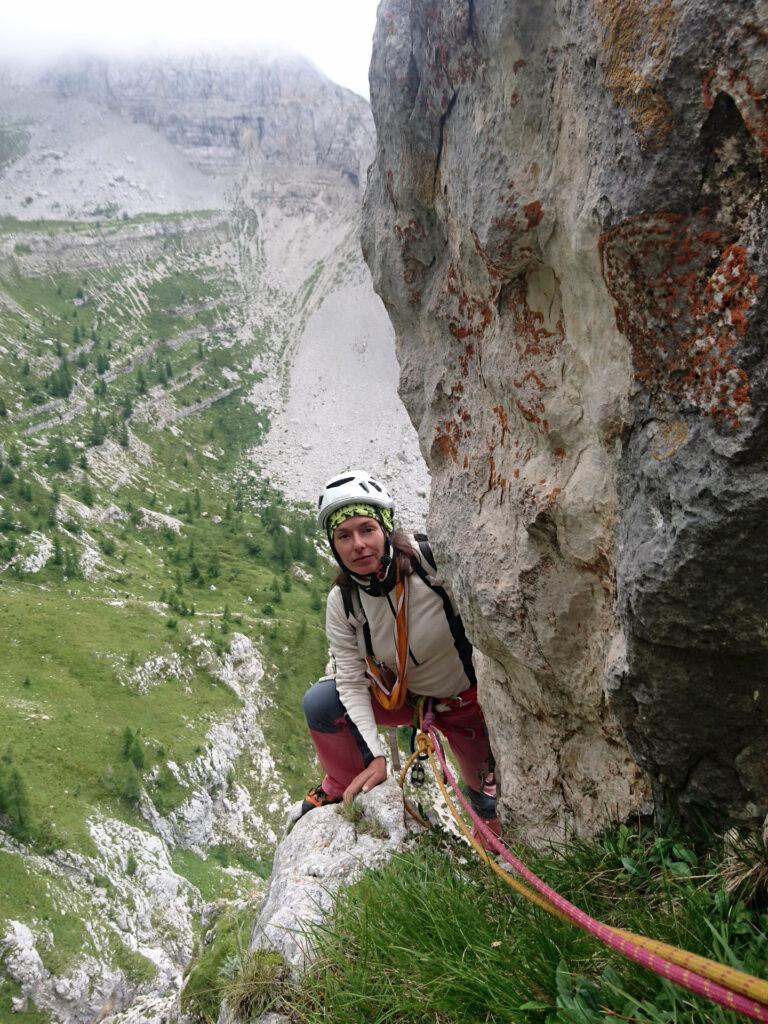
column 467, row 315
column 533, row 213
column 638, row 39
column 535, row 348
column 682, row 318
column 447, row 437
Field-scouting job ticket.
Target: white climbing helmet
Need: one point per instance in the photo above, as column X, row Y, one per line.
column 356, row 485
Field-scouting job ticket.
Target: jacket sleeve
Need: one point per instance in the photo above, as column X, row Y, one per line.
column 351, row 680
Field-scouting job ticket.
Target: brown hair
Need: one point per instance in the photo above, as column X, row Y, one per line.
column 402, row 550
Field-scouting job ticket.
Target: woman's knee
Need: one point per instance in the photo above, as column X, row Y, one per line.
column 322, row 707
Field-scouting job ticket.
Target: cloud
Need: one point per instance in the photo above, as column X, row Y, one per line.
column 335, row 34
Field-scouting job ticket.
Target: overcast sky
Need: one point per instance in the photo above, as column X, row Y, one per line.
column 335, row 34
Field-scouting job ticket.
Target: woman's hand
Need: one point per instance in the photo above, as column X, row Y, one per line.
column 375, row 773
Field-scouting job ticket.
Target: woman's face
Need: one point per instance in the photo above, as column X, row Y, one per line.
column 359, row 543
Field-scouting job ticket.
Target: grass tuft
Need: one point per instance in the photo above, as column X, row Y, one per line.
column 254, row 989
column 354, row 813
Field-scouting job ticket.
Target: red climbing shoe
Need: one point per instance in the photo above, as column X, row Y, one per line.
column 316, row 797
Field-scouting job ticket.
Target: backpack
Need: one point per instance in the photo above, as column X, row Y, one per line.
column 350, row 597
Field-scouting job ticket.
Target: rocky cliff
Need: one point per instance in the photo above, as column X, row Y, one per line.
column 566, row 221
column 216, row 110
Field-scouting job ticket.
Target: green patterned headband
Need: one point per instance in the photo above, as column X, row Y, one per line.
column 358, row 508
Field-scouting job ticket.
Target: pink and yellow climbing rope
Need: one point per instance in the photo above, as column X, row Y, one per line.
column 737, row 991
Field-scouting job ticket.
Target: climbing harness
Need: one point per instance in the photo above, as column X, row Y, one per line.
column 743, row 993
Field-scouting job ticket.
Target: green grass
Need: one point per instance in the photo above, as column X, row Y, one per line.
column 48, row 227
column 65, row 728
column 15, row 225
column 434, row 936
column 172, row 296
column 206, row 875
column 207, row 976
column 311, row 281
column 26, row 894
column 8, row 991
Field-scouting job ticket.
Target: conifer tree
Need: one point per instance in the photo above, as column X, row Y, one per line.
column 98, row 431
column 17, row 808
column 71, row 565
column 62, row 457
column 86, row 493
column 280, row 550
column 127, row 742
column 130, row 788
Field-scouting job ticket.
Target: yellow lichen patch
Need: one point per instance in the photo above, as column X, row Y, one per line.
column 670, row 436
column 636, row 44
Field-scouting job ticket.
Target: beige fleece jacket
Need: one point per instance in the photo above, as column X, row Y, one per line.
column 436, row 672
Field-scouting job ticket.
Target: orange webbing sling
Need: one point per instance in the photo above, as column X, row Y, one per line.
column 391, row 691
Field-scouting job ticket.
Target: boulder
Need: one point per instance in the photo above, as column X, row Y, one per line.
column 323, row 852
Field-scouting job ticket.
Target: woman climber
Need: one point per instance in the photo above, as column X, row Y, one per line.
column 395, row 636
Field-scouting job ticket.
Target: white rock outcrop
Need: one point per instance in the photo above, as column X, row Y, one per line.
column 323, row 852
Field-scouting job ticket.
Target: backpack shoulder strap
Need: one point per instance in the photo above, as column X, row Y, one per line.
column 456, row 626
column 351, row 597
column 426, row 549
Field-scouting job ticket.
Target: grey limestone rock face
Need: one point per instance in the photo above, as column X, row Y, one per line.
column 565, row 219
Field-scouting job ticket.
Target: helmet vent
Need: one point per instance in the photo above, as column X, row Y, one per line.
column 338, row 483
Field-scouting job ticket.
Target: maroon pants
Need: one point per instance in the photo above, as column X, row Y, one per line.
column 343, row 753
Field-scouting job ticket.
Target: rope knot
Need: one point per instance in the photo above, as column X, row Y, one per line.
column 424, row 744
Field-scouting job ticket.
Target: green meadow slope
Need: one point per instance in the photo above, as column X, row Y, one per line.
column 137, row 539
